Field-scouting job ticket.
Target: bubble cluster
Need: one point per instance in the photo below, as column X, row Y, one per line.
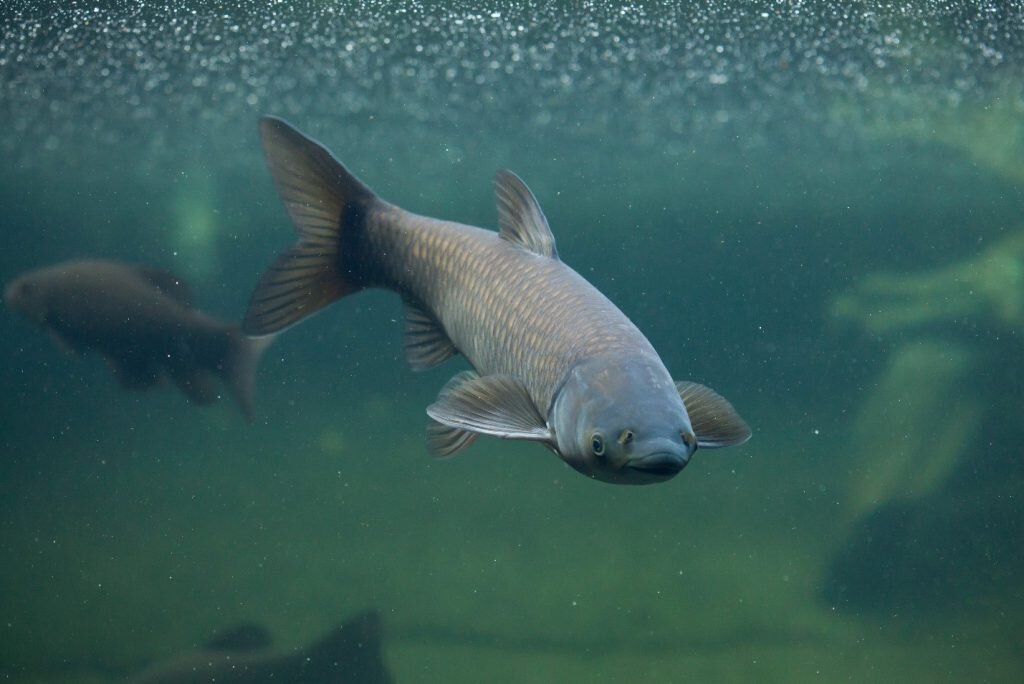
column 115, row 72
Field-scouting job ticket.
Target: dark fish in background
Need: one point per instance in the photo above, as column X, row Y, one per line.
column 349, row 654
column 554, row 360
column 142, row 321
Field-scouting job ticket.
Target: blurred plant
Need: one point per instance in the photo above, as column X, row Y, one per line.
column 988, row 288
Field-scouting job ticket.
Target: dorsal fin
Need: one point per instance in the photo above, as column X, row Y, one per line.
column 167, row 282
column 520, row 220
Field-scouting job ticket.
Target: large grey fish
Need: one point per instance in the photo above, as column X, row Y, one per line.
column 349, row 654
column 554, row 360
column 141, row 319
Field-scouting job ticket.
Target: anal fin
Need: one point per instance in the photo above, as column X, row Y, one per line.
column 426, row 344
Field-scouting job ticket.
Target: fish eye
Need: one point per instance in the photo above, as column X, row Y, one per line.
column 597, row 445
column 626, row 437
column 689, row 441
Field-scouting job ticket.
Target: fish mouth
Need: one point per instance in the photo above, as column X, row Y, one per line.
column 660, row 464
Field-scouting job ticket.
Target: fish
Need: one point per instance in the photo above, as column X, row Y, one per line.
column 552, row 359
column 140, row 318
column 349, row 654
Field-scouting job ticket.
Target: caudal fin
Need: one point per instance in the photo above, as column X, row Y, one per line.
column 239, row 368
column 328, row 206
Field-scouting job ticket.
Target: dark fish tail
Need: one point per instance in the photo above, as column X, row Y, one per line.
column 238, row 369
column 329, row 207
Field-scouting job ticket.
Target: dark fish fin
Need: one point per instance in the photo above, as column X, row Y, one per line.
column 299, row 283
column 134, row 373
column 520, row 220
column 715, row 422
column 239, row 368
column 241, row 638
column 426, row 343
column 492, row 405
column 352, row 652
column 328, row 206
column 442, row 440
column 167, row 282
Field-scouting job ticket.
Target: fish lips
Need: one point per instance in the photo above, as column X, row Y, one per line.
column 660, row 465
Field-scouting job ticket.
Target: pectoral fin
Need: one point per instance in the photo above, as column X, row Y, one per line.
column 493, row 405
column 715, row 422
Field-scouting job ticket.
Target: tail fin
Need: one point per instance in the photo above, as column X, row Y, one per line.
column 239, row 368
column 328, row 206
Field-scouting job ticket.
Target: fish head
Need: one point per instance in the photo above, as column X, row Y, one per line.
column 621, row 420
column 27, row 294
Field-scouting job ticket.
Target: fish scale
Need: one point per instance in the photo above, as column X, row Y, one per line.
column 507, row 310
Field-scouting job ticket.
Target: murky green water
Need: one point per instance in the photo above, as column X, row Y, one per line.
column 814, row 208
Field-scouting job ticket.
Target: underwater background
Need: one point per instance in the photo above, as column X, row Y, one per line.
column 813, row 207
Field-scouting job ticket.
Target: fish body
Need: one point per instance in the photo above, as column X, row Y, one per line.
column 351, row 653
column 508, row 310
column 142, row 321
column 554, row 360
